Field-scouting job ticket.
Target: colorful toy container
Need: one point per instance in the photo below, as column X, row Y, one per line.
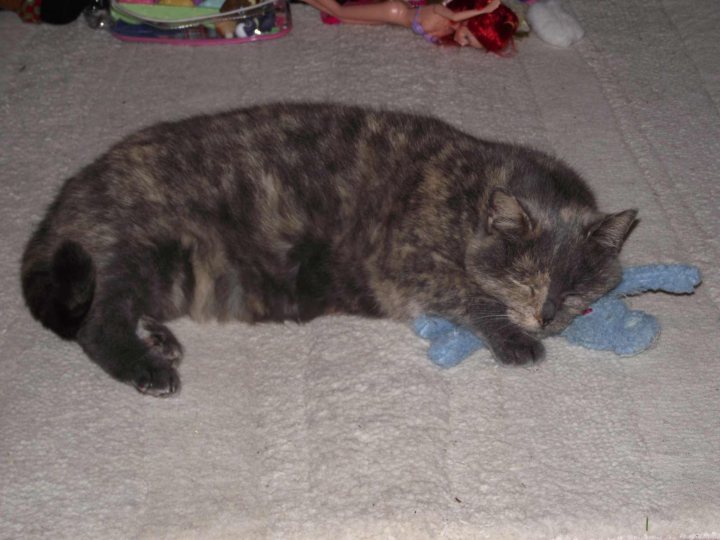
column 199, row 22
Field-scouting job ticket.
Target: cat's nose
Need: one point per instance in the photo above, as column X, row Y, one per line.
column 548, row 311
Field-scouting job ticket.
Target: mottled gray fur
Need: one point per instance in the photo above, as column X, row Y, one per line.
column 293, row 211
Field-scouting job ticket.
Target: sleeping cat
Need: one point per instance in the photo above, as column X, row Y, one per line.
column 292, row 211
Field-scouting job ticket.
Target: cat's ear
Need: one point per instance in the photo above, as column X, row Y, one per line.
column 507, row 215
column 611, row 230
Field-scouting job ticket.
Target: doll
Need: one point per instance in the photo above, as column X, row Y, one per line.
column 475, row 23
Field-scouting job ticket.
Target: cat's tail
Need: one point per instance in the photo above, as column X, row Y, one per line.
column 59, row 289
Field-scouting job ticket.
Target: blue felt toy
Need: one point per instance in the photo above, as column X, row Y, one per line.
column 609, row 324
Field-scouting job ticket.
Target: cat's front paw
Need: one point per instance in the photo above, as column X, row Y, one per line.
column 517, row 348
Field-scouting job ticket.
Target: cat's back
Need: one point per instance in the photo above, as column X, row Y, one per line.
column 309, row 144
column 321, row 159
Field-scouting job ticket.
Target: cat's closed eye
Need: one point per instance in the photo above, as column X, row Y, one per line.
column 573, row 300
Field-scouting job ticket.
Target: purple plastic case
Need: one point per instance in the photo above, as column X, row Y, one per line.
column 197, row 22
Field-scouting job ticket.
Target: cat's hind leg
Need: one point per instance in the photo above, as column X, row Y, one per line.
column 122, row 339
column 160, row 339
column 147, row 361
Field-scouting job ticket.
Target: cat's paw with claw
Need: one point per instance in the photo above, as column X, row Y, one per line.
column 518, row 348
column 155, row 373
column 157, row 379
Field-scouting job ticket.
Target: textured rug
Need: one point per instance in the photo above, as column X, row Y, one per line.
column 342, row 428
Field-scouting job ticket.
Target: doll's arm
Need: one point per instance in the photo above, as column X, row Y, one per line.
column 437, row 20
column 459, row 16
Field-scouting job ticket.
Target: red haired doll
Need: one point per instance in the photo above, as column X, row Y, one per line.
column 493, row 30
column 483, row 24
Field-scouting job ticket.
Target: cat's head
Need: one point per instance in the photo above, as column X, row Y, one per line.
column 547, row 265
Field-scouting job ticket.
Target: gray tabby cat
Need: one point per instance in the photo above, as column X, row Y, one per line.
column 294, row 211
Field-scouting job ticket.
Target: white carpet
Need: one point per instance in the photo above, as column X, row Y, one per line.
column 342, row 428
